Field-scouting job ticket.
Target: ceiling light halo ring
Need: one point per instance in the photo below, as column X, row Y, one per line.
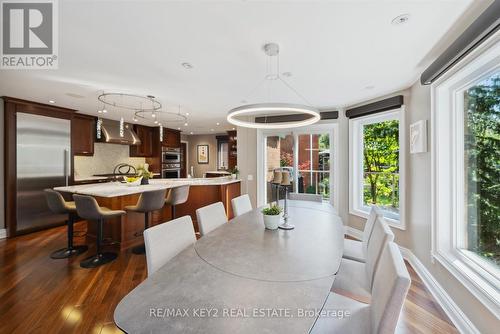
column 283, row 107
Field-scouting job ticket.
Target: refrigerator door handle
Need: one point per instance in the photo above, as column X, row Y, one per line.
column 66, row 167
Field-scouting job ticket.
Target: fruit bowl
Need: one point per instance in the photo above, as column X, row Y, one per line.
column 133, row 181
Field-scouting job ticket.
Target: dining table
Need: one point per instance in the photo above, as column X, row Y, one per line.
column 243, row 278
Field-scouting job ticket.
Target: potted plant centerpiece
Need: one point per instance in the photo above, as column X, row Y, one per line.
column 143, row 171
column 272, row 216
column 234, row 172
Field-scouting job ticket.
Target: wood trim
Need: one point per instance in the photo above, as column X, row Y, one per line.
column 376, row 107
column 36, row 104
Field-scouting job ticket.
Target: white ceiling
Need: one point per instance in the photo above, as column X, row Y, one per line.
column 334, row 49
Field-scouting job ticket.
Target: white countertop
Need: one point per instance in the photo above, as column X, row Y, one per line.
column 115, row 189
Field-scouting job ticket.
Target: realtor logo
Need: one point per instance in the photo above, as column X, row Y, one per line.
column 29, row 34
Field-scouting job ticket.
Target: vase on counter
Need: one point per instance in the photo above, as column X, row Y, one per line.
column 144, row 181
column 234, row 176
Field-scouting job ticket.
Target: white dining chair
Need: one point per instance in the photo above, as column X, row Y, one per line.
column 210, row 217
column 164, row 241
column 390, row 287
column 305, row 197
column 356, row 278
column 356, row 250
column 241, row 205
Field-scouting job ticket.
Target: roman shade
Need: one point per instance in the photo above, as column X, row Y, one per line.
column 483, row 27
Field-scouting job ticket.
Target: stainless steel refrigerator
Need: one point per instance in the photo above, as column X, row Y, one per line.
column 43, row 161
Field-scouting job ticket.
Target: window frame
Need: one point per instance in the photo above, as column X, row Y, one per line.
column 322, row 128
column 356, row 179
column 448, row 175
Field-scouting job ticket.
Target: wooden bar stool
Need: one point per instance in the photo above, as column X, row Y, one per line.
column 176, row 196
column 58, row 205
column 88, row 209
column 148, row 201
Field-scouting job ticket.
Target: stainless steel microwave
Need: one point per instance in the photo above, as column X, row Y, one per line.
column 170, row 155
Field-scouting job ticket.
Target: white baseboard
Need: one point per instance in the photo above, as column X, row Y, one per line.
column 456, row 315
column 3, row 233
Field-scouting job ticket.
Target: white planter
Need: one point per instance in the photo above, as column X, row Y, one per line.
column 272, row 222
column 233, row 176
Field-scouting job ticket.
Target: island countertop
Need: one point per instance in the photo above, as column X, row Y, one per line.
column 116, row 189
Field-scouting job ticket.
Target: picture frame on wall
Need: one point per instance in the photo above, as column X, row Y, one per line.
column 203, row 154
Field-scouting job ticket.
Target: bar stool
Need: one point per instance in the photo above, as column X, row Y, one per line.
column 148, row 201
column 88, row 209
column 58, row 205
column 176, row 196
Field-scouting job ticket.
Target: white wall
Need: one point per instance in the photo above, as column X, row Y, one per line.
column 193, row 142
column 2, row 180
column 247, row 161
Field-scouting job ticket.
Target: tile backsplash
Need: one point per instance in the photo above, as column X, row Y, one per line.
column 105, row 158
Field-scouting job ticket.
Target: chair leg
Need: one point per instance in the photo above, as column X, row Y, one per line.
column 71, row 250
column 101, row 257
column 141, row 249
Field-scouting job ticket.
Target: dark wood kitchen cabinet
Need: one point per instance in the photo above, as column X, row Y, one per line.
column 83, row 134
column 171, row 138
column 145, row 149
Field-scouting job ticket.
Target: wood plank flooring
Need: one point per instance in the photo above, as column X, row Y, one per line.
column 41, row 295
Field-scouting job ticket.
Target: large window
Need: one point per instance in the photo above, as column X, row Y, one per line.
column 466, row 173
column 376, row 165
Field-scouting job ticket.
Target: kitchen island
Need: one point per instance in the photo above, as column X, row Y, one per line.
column 127, row 230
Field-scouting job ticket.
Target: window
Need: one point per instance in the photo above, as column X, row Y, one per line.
column 307, row 153
column 376, row 169
column 466, row 173
column 313, row 164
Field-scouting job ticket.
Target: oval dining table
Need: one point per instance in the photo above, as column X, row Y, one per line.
column 242, row 278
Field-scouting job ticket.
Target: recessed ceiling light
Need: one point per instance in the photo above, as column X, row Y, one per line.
column 135, row 119
column 211, row 129
column 104, row 111
column 156, row 122
column 234, row 129
column 178, row 128
column 400, row 19
column 191, row 132
column 187, row 66
column 99, row 111
column 153, row 115
column 187, row 114
column 52, row 101
column 217, row 123
column 185, row 124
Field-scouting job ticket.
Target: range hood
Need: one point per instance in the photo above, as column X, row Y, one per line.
column 111, row 133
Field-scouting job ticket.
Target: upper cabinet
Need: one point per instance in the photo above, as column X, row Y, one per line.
column 83, row 134
column 145, row 149
column 171, row 138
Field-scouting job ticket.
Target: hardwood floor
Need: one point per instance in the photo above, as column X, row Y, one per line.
column 41, row 295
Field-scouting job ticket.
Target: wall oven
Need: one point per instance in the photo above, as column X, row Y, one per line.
column 171, row 173
column 171, row 155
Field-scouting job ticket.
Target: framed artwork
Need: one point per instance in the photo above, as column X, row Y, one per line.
column 418, row 137
column 203, row 154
